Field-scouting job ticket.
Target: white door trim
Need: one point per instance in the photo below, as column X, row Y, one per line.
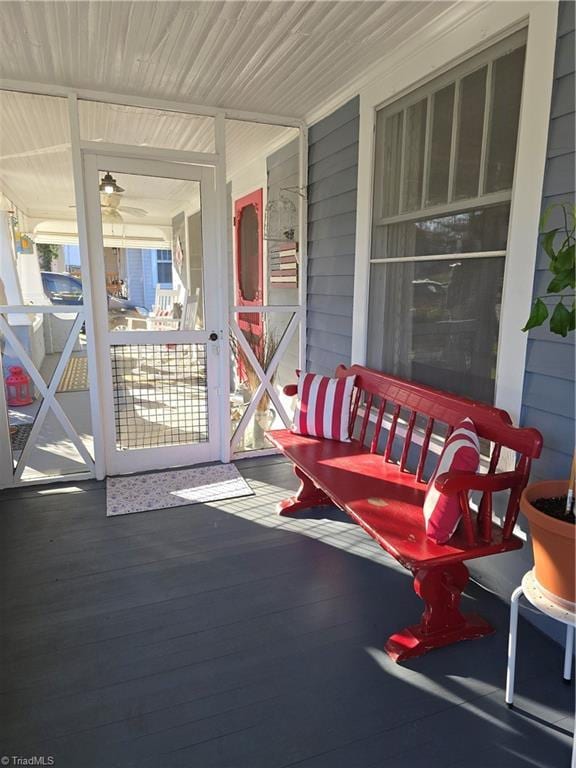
column 482, row 29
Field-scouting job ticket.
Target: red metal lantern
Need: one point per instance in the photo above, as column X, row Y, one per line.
column 18, row 391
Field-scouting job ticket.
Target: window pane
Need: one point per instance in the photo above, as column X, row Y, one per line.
column 414, row 156
column 470, row 125
column 506, row 96
column 165, row 272
column 387, row 176
column 440, row 142
column 483, row 229
column 249, row 246
column 427, row 325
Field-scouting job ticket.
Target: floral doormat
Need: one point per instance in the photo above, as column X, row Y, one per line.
column 174, row 488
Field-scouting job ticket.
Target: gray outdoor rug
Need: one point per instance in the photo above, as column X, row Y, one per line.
column 174, row 488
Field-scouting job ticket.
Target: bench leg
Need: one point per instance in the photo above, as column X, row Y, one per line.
column 442, row 622
column 308, row 495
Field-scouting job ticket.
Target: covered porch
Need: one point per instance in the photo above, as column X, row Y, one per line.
column 223, row 635
column 197, row 200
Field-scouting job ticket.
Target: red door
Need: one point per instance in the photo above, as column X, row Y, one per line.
column 249, row 262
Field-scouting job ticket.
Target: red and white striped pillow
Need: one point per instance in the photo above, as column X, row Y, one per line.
column 441, row 512
column 323, row 407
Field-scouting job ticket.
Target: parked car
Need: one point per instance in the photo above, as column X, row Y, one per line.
column 62, row 288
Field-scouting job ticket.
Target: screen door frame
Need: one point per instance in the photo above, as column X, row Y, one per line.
column 131, row 460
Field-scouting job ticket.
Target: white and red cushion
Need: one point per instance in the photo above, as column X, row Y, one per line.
column 323, row 407
column 441, row 512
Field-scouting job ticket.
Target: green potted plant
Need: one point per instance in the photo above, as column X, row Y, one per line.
column 549, row 505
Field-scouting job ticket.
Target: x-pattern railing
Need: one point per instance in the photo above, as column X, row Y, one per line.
column 265, row 376
column 48, row 391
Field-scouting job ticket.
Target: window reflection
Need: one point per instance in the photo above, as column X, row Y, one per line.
column 427, row 325
column 484, row 229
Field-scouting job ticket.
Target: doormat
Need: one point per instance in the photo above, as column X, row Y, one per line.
column 19, row 436
column 175, row 488
column 75, row 376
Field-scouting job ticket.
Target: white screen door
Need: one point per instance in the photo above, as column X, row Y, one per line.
column 153, row 256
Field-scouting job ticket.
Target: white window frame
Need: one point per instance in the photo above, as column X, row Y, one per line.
column 423, row 59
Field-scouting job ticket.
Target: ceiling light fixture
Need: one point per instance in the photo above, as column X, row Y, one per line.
column 109, row 186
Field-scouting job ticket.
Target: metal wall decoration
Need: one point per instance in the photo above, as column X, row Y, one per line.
column 284, row 267
column 280, row 220
column 281, row 217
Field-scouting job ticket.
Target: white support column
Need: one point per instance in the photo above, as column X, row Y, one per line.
column 223, row 294
column 303, row 244
column 6, row 461
column 93, row 362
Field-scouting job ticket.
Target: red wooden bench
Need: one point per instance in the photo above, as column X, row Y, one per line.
column 385, row 494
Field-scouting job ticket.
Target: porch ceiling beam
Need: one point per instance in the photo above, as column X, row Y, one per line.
column 107, row 97
column 170, row 155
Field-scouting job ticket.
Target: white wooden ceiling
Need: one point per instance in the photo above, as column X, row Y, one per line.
column 272, row 57
column 36, row 162
column 275, row 57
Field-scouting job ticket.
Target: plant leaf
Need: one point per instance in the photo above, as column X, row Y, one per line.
column 548, row 242
column 561, row 320
column 538, row 315
column 561, row 281
column 565, row 257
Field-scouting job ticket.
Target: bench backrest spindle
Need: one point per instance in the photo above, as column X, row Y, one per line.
column 424, row 449
column 392, row 432
column 366, row 418
column 493, row 425
column 378, row 427
column 355, row 405
column 407, row 440
column 495, row 458
column 485, row 516
column 467, row 518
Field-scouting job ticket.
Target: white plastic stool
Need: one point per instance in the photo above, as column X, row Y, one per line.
column 534, row 594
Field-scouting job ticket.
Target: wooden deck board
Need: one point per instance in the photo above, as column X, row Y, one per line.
column 223, row 636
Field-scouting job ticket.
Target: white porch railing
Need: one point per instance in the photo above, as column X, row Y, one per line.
column 10, row 474
column 265, row 377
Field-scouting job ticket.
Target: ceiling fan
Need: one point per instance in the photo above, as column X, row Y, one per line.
column 110, row 199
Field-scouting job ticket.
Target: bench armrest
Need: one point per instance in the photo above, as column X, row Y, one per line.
column 453, row 482
column 290, row 389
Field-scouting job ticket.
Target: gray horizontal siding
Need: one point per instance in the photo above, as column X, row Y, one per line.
column 333, row 179
column 548, row 397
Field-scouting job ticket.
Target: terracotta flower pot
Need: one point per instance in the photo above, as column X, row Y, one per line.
column 553, row 541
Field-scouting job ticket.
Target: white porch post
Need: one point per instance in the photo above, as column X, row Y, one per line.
column 223, row 297
column 303, row 244
column 93, row 363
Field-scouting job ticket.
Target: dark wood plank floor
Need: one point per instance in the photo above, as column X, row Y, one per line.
column 222, row 636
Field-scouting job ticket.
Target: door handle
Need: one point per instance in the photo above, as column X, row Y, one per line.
column 213, row 336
